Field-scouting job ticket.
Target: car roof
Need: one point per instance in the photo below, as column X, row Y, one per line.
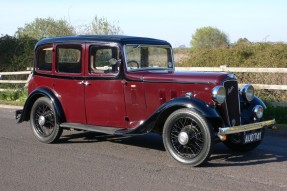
column 121, row 39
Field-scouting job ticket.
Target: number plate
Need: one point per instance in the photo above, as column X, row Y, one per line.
column 252, row 137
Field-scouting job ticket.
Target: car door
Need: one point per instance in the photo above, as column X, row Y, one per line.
column 104, row 94
column 67, row 82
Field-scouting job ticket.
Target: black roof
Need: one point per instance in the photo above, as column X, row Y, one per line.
column 103, row 38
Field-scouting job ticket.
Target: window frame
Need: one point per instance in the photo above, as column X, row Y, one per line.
column 81, row 61
column 109, row 75
column 40, row 48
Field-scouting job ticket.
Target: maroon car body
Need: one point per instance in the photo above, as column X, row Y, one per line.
column 125, row 85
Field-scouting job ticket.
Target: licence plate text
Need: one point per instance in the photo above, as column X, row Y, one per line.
column 252, row 137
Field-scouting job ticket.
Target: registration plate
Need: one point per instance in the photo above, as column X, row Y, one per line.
column 252, row 137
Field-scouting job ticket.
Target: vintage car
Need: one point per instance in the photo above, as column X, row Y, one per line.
column 123, row 85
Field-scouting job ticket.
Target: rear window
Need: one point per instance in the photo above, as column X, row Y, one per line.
column 44, row 60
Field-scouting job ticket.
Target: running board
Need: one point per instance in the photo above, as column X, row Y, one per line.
column 98, row 129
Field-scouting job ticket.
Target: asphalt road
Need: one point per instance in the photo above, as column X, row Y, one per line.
column 90, row 161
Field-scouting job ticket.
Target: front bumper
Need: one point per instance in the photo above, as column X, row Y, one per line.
column 243, row 128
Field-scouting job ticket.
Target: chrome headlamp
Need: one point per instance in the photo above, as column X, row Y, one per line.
column 258, row 111
column 219, row 94
column 247, row 91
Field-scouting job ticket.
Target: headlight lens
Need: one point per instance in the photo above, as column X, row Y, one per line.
column 247, row 92
column 258, row 111
column 219, row 94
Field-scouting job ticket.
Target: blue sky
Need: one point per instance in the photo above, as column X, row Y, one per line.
column 174, row 21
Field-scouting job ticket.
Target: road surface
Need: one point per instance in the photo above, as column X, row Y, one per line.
column 90, row 161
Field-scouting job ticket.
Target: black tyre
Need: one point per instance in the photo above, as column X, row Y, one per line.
column 188, row 137
column 233, row 142
column 44, row 121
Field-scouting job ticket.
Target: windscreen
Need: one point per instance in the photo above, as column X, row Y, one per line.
column 148, row 57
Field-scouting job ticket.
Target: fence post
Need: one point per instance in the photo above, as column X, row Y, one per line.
column 28, row 79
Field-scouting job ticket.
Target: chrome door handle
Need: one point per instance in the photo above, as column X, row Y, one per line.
column 81, row 83
column 86, row 83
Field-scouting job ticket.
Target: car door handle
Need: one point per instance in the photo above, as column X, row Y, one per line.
column 81, row 83
column 86, row 83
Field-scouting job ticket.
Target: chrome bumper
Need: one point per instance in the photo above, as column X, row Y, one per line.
column 242, row 128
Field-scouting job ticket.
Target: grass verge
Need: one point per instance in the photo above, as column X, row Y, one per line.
column 11, row 97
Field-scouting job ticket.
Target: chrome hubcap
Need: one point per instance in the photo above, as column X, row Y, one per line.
column 183, row 138
column 41, row 120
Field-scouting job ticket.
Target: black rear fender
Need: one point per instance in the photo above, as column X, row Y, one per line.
column 36, row 94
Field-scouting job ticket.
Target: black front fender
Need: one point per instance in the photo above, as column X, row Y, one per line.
column 34, row 95
column 158, row 118
column 247, row 113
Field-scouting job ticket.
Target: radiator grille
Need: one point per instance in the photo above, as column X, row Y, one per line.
column 232, row 104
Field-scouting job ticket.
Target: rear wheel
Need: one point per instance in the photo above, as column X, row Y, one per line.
column 188, row 137
column 44, row 121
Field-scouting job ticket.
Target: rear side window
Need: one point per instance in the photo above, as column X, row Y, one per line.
column 44, row 59
column 69, row 60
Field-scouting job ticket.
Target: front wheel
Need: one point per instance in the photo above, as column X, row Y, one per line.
column 188, row 137
column 44, row 121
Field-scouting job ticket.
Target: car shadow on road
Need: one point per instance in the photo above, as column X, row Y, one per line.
column 224, row 157
column 149, row 141
column 221, row 156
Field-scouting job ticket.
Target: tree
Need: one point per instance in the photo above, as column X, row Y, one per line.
column 102, row 26
column 208, row 37
column 16, row 53
column 242, row 41
column 48, row 27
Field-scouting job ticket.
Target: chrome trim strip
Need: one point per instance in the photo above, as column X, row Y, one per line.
column 242, row 128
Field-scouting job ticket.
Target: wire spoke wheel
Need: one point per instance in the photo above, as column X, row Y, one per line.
column 44, row 122
column 187, row 137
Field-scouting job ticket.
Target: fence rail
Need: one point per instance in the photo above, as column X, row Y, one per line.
column 202, row 69
column 232, row 69
column 14, row 81
column 241, row 70
column 196, row 69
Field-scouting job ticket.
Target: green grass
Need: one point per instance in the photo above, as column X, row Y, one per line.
column 11, row 97
column 279, row 113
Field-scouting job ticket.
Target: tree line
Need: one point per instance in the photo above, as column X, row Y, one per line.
column 209, row 45
column 16, row 52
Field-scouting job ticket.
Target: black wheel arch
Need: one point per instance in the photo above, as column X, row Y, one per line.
column 156, row 121
column 36, row 94
column 247, row 109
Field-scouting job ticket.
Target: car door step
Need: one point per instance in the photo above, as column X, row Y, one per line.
column 98, row 129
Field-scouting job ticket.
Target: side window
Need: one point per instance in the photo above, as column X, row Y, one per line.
column 69, row 60
column 44, row 59
column 104, row 60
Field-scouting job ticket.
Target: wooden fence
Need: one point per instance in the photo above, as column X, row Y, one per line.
column 14, row 81
column 241, row 70
column 206, row 69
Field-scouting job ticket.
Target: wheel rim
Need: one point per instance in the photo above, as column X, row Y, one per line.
column 186, row 138
column 44, row 120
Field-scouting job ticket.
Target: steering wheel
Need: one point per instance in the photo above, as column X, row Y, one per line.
column 133, row 64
